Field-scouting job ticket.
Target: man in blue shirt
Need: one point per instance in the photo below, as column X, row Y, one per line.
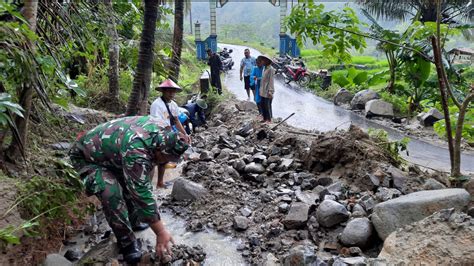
column 196, row 113
column 246, row 65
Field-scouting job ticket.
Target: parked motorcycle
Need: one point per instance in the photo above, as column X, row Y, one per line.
column 226, row 59
column 279, row 63
column 299, row 74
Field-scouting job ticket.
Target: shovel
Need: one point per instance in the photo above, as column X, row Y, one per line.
column 263, row 134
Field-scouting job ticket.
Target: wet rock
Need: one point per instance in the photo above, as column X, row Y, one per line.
column 341, row 261
column 245, row 106
column 274, row 150
column 308, row 184
column 324, row 181
column 245, row 212
column 241, row 223
column 254, row 168
column 384, row 194
column 273, row 159
column 330, row 213
column 302, row 255
column 224, row 154
column 271, row 260
column 308, row 197
column 283, row 207
column 245, row 130
column 368, row 202
column 395, row 213
column 444, row 238
column 285, row 164
column 61, row 146
column 378, row 108
column 56, row 260
column 239, row 165
column 72, row 254
column 469, row 186
column 362, row 97
column 342, row 97
column 433, row 184
column 205, row 156
column 429, row 118
column 357, row 232
column 259, row 158
column 265, row 197
column 187, row 190
column 398, row 177
column 358, row 211
column 297, row 216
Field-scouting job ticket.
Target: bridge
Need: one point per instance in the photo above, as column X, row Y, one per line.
column 287, row 43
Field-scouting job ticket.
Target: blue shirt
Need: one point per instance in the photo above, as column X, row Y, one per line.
column 256, row 72
column 248, row 64
column 196, row 114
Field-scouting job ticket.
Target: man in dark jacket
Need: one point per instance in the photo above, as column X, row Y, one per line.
column 216, row 66
column 196, row 113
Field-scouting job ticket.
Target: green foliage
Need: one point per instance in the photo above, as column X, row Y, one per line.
column 400, row 104
column 394, row 148
column 8, row 236
column 336, row 31
column 51, row 197
column 7, row 107
column 467, row 129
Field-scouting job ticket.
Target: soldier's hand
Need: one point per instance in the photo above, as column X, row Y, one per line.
column 163, row 239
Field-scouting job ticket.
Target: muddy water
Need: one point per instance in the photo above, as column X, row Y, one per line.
column 312, row 112
column 220, row 250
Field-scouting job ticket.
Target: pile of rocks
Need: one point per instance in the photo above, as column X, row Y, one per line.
column 300, row 197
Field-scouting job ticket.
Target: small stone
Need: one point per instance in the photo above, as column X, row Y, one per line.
column 187, row 190
column 302, row 255
column 241, row 223
column 286, row 163
column 358, row 211
column 284, row 207
column 239, row 165
column 72, row 254
column 324, row 181
column 205, row 156
column 286, row 198
column 273, row 159
column 56, row 260
column 357, row 232
column 297, row 216
column 384, row 194
column 254, row 168
column 259, row 158
column 245, row 212
column 398, row 177
column 330, row 213
column 432, row 184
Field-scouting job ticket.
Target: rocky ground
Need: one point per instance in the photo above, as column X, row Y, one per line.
column 298, row 197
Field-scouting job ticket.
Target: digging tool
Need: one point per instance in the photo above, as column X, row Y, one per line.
column 263, row 134
column 273, row 128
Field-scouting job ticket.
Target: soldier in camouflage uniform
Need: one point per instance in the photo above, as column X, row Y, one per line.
column 115, row 160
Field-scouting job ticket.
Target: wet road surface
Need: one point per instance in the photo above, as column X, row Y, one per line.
column 312, row 112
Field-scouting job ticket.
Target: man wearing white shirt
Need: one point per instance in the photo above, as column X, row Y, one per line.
column 166, row 110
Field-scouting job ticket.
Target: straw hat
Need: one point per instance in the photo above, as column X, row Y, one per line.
column 168, row 84
column 265, row 57
column 201, row 103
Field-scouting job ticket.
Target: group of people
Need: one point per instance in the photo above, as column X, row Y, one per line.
column 258, row 77
column 116, row 162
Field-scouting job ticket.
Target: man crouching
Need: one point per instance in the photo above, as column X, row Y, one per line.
column 115, row 160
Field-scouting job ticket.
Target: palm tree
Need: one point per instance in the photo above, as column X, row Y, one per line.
column 137, row 103
column 180, row 8
column 30, row 13
column 424, row 9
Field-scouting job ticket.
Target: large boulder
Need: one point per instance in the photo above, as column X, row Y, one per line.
column 362, row 97
column 378, row 108
column 187, row 190
column 297, row 216
column 330, row 213
column 342, row 97
column 444, row 238
column 395, row 213
column 429, row 118
column 357, row 233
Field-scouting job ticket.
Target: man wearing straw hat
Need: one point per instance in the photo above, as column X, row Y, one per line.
column 166, row 110
column 267, row 88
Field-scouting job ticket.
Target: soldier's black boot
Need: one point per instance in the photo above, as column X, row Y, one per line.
column 139, row 226
column 131, row 253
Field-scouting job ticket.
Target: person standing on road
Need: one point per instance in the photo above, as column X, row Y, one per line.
column 215, row 63
column 255, row 80
column 166, row 110
column 246, row 65
column 267, row 88
column 115, row 162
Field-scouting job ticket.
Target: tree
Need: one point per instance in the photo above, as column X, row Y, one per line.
column 114, row 52
column 29, row 12
column 425, row 10
column 177, row 39
column 137, row 102
column 180, row 8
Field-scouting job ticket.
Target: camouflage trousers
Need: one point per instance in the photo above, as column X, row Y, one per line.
column 109, row 186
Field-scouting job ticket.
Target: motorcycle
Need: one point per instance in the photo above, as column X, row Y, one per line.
column 279, row 63
column 299, row 74
column 227, row 62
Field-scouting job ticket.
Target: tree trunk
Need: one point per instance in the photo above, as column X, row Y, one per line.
column 456, row 171
column 444, row 98
column 137, row 101
column 114, row 52
column 392, row 68
column 177, row 39
column 29, row 12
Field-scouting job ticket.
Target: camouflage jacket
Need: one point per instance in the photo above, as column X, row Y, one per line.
column 126, row 147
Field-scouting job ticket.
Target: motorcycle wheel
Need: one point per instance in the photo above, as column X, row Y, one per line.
column 303, row 81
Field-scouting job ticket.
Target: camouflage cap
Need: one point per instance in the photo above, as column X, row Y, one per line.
column 170, row 144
